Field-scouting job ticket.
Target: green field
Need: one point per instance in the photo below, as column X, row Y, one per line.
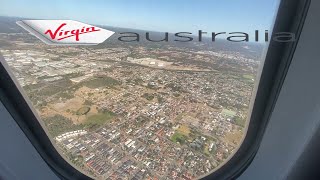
column 228, row 113
column 97, row 120
column 178, row 138
column 249, row 77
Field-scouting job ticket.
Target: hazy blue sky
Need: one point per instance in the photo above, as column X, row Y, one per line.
column 158, row 15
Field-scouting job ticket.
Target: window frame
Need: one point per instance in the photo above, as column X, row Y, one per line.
column 290, row 18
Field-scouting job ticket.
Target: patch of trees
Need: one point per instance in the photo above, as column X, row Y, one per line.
column 59, row 124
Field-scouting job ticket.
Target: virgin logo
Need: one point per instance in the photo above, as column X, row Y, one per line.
column 65, row 32
column 60, row 34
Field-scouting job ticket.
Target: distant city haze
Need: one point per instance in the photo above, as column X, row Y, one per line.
column 164, row 15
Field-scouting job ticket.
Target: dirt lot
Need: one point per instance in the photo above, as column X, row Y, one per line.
column 234, row 137
column 69, row 109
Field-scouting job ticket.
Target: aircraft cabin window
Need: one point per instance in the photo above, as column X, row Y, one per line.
column 167, row 94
